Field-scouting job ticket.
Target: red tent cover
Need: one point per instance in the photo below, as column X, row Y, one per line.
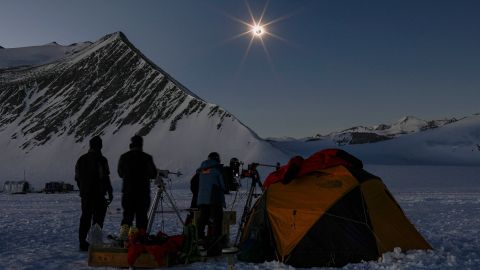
column 297, row 166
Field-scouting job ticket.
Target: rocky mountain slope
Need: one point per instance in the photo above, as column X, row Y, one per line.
column 48, row 113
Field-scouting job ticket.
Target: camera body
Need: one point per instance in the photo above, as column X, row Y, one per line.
column 231, row 175
column 163, row 173
column 235, row 167
column 250, row 172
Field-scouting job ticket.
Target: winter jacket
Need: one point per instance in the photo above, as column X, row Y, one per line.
column 136, row 168
column 92, row 175
column 211, row 186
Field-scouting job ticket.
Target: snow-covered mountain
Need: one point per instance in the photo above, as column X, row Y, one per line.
column 451, row 143
column 37, row 55
column 382, row 132
column 49, row 112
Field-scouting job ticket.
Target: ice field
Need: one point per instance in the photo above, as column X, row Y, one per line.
column 39, row 231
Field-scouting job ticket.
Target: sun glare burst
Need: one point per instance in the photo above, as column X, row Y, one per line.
column 257, row 29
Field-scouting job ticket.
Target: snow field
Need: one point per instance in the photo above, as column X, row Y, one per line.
column 39, row 231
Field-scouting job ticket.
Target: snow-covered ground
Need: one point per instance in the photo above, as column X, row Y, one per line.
column 39, row 231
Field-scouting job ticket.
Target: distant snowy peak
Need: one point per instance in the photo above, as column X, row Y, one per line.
column 411, row 124
column 363, row 134
column 37, row 55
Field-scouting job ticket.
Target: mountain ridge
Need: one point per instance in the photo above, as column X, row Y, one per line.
column 455, row 143
column 376, row 133
column 110, row 88
column 160, row 81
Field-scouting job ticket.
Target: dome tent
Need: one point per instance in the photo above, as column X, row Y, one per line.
column 325, row 211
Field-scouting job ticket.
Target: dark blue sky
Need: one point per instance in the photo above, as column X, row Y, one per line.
column 344, row 63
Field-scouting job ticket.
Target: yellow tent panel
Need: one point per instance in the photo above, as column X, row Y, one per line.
column 390, row 225
column 294, row 208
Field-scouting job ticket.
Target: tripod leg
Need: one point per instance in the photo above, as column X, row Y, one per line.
column 158, row 197
column 172, row 204
column 153, row 209
column 246, row 209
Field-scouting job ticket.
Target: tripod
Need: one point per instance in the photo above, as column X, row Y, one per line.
column 255, row 176
column 160, row 194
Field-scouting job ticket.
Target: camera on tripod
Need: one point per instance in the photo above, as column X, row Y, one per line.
column 159, row 195
column 231, row 175
column 165, row 173
column 251, row 171
column 235, row 166
column 161, row 174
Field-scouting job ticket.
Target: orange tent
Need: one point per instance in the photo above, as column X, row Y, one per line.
column 325, row 211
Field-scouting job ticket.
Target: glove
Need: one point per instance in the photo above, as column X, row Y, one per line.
column 110, row 198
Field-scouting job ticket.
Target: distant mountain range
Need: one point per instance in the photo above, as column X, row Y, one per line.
column 53, row 98
column 410, row 141
column 37, row 55
column 361, row 134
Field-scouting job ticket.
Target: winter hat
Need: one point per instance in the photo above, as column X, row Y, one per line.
column 214, row 156
column 137, row 141
column 96, row 143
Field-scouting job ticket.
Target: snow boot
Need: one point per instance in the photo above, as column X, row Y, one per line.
column 123, row 237
column 84, row 246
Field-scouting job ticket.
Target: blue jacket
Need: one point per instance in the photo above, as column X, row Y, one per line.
column 211, row 186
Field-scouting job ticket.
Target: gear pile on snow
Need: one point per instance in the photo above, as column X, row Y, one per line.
column 160, row 246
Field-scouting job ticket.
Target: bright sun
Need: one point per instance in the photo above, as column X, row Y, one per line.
column 258, row 30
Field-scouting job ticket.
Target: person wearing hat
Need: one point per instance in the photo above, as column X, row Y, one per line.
column 136, row 168
column 92, row 175
column 211, row 201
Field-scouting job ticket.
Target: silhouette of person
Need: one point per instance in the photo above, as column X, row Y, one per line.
column 92, row 175
column 136, row 168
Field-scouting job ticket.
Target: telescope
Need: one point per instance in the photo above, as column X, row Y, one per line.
column 252, row 173
column 251, row 170
column 165, row 173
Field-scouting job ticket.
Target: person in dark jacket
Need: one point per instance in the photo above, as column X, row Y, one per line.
column 92, row 175
column 136, row 168
column 211, row 198
column 193, row 202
